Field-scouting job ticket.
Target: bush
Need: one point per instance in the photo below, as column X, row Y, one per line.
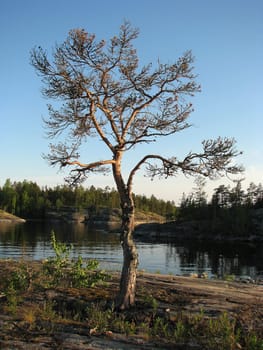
column 60, row 269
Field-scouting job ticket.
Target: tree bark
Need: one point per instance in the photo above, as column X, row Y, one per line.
column 126, row 296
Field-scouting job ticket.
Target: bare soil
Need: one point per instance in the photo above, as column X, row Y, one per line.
column 22, row 329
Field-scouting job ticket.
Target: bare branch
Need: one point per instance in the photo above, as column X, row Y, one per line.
column 213, row 162
column 88, row 166
column 106, row 93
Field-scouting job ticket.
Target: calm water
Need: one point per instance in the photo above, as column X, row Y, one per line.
column 32, row 241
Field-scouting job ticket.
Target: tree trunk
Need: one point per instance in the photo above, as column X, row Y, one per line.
column 126, row 296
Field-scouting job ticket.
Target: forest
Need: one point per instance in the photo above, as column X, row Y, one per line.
column 231, row 210
column 27, row 200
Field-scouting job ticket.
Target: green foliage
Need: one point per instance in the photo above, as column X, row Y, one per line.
column 26, row 199
column 229, row 278
column 229, row 210
column 81, row 275
column 56, row 267
column 222, row 333
column 219, row 333
column 150, row 301
column 159, row 328
column 253, row 342
column 75, row 273
column 180, row 331
column 12, row 297
column 16, row 282
column 20, row 279
column 100, row 320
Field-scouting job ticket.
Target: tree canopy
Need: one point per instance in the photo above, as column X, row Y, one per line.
column 105, row 93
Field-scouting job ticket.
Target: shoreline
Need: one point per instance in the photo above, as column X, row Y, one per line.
column 7, row 217
column 163, row 297
column 13, row 220
column 242, row 280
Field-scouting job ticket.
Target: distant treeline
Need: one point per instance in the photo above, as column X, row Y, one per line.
column 26, row 199
column 230, row 210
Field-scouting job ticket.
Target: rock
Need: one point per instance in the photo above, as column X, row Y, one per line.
column 245, row 279
column 103, row 218
column 7, row 217
column 67, row 214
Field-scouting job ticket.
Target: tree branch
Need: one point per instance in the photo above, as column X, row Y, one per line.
column 213, row 162
column 88, row 166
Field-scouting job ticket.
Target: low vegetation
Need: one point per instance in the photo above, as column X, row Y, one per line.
column 60, row 295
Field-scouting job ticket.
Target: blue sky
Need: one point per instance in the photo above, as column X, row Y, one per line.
column 225, row 37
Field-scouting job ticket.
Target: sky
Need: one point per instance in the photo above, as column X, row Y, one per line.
column 225, row 37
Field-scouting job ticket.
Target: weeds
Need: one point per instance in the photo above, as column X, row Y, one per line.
column 81, row 275
column 60, row 269
column 99, row 320
column 179, row 332
column 150, row 301
column 14, row 284
column 253, row 342
column 229, row 278
column 57, row 270
column 221, row 333
column 12, row 298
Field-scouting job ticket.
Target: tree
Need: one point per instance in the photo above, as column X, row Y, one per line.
column 100, row 90
column 200, row 196
column 252, row 194
column 8, row 197
column 221, row 197
column 237, row 194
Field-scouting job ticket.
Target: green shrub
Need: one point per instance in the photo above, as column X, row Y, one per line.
column 60, row 269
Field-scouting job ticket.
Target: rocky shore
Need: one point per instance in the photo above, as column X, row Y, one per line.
column 151, row 226
column 45, row 318
column 103, row 218
column 200, row 230
column 7, row 217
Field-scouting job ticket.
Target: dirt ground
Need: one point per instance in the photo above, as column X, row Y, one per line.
column 173, row 293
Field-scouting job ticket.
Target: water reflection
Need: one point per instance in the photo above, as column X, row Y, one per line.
column 216, row 258
column 31, row 240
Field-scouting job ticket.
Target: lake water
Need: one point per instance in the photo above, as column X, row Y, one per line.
column 31, row 240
